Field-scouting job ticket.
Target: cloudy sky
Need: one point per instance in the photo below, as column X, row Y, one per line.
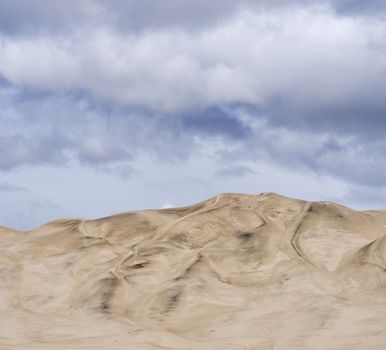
column 115, row 105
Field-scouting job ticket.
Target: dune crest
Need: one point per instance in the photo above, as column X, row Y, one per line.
column 236, row 272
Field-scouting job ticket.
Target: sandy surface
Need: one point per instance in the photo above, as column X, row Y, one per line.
column 235, row 272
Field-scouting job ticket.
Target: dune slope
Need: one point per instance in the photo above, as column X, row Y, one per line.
column 234, row 272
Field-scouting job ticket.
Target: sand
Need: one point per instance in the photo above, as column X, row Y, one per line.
column 236, row 272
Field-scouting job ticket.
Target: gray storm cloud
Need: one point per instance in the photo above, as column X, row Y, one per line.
column 311, row 63
column 31, row 17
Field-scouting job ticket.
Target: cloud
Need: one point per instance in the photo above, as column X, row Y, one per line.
column 313, row 151
column 235, row 171
column 302, row 60
column 37, row 17
column 216, row 122
column 167, row 205
column 8, row 187
column 358, row 7
column 57, row 129
column 16, row 150
column 32, row 17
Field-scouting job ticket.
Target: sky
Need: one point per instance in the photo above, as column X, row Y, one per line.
column 109, row 106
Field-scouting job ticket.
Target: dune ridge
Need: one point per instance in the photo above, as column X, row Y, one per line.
column 235, row 272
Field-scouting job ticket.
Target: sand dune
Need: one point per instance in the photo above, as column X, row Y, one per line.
column 235, row 272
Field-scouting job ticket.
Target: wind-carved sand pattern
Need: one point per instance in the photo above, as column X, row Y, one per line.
column 235, row 272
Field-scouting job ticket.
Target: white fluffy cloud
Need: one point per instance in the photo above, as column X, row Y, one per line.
column 305, row 56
